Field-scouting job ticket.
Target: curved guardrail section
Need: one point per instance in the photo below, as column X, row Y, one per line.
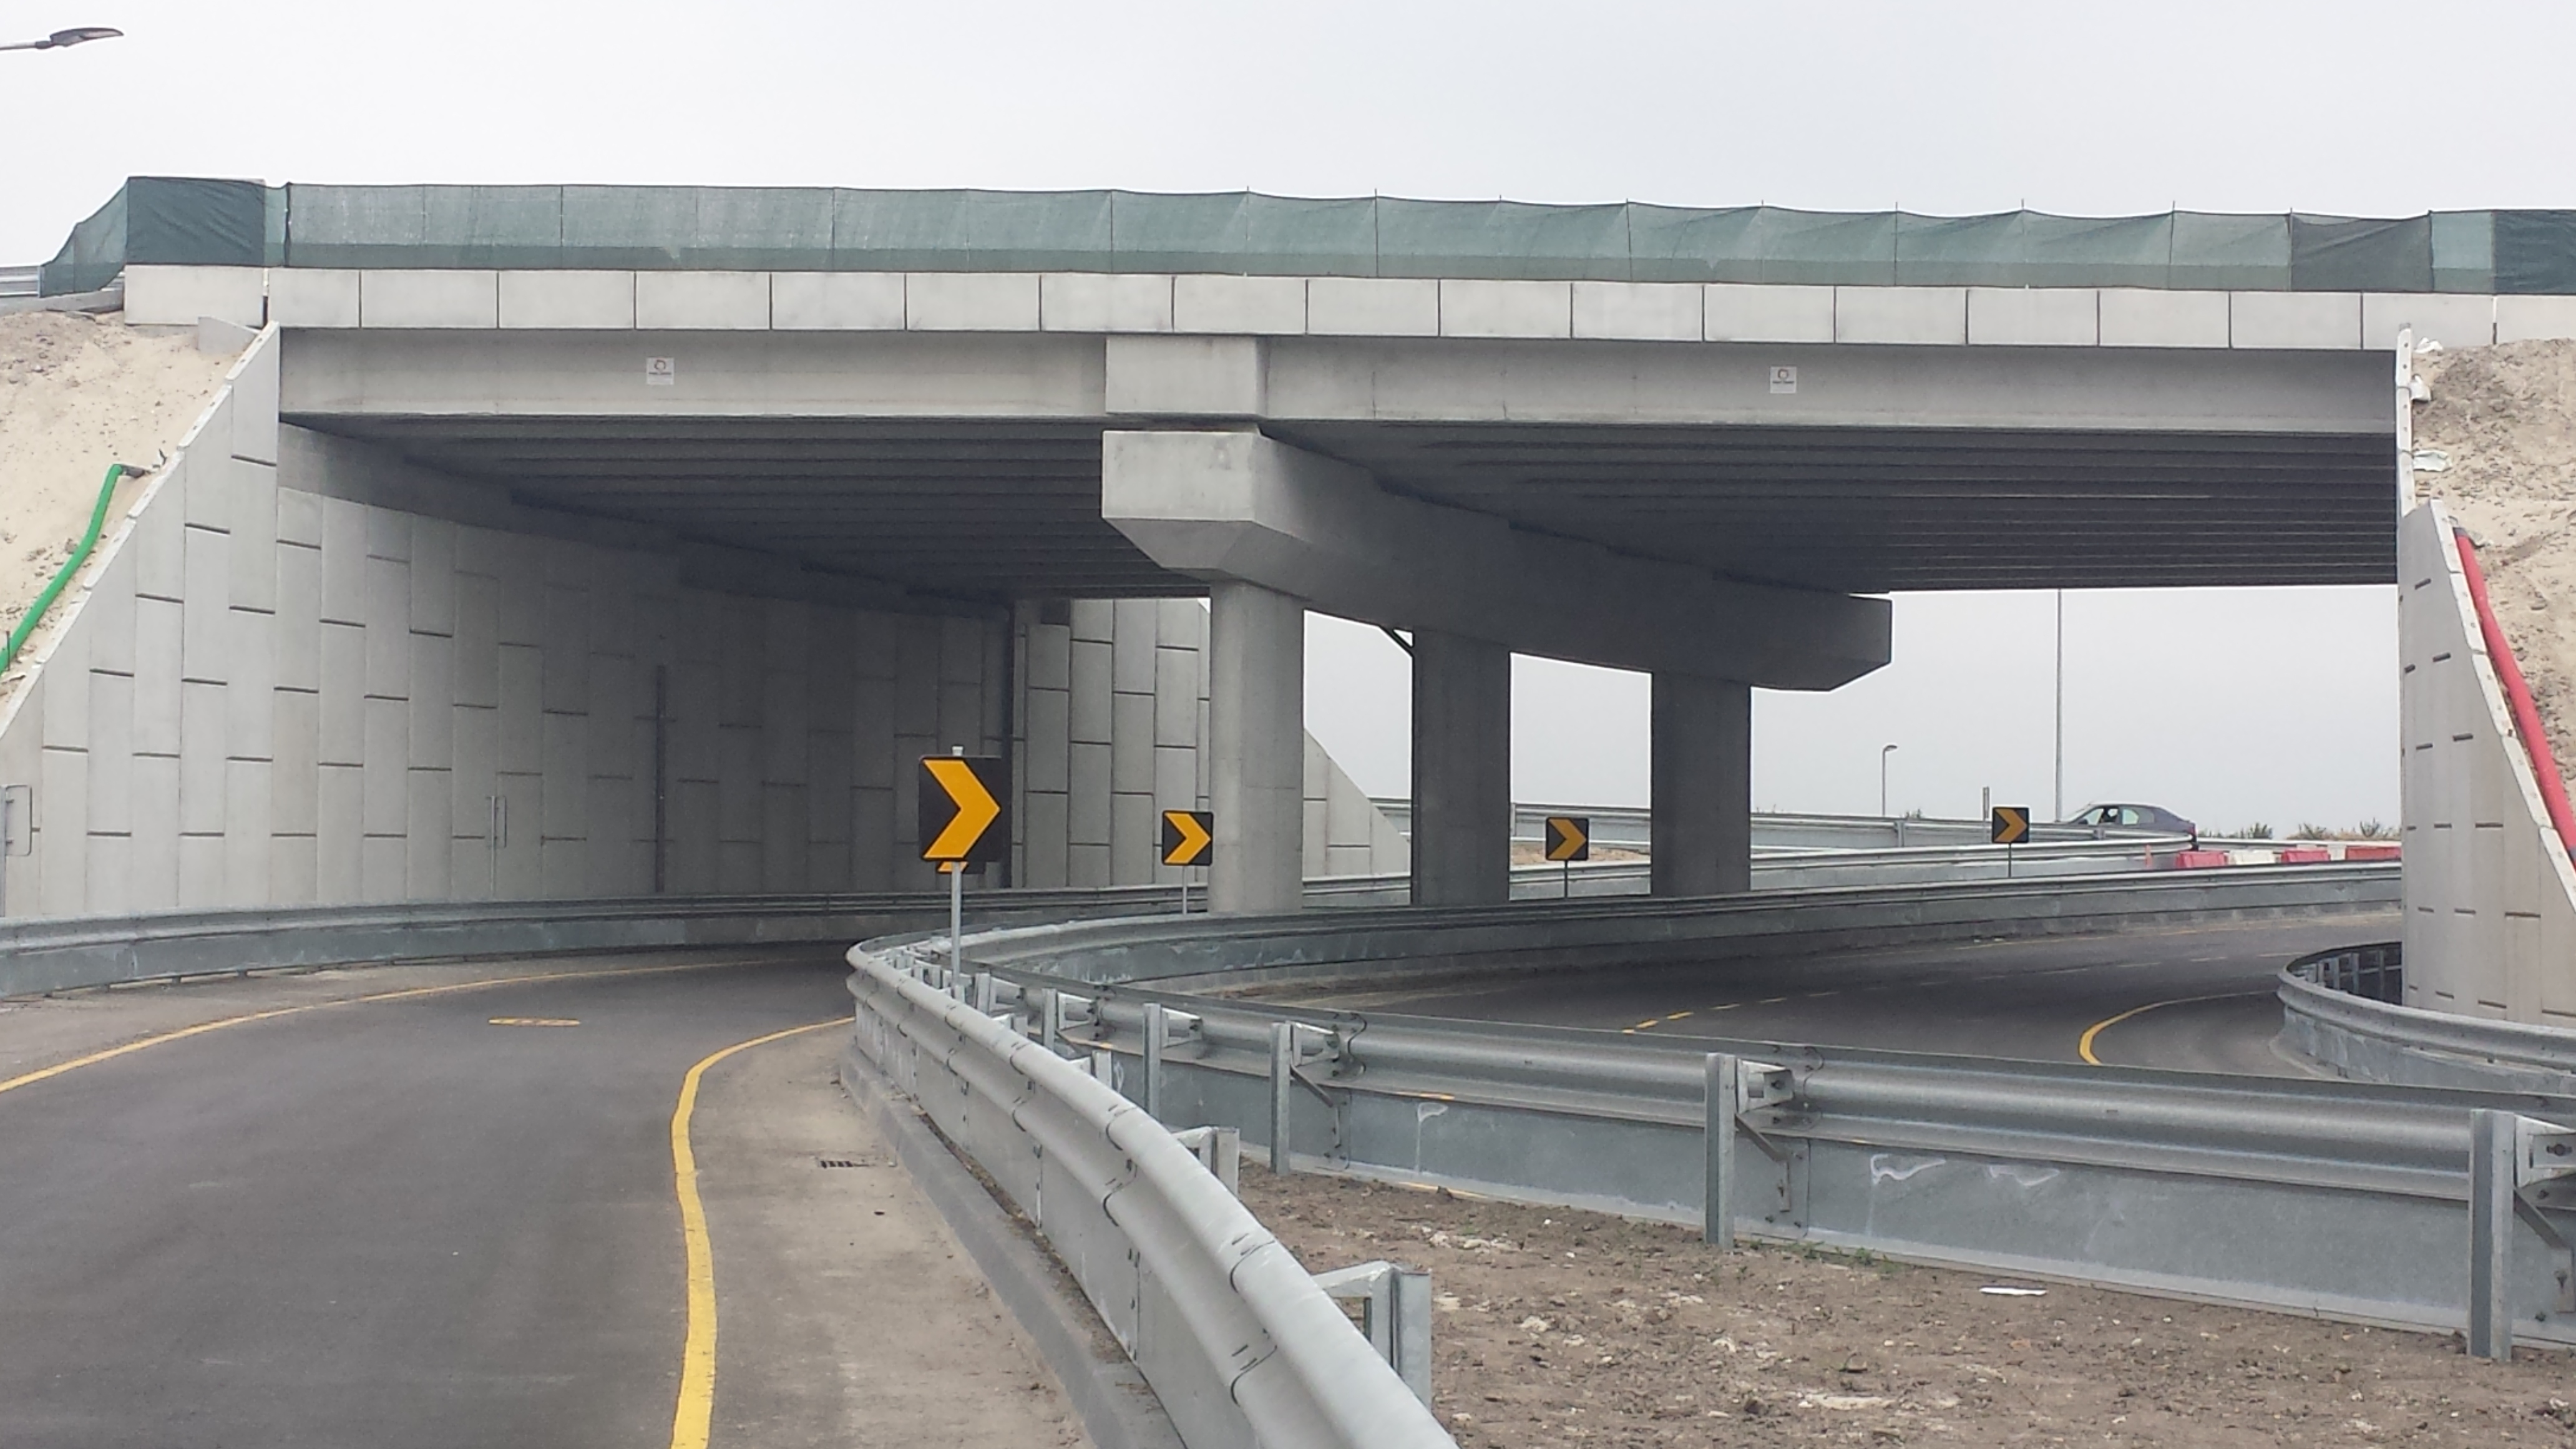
column 2211, row 1187
column 2329, row 1013
column 1239, row 1343
column 67, row 953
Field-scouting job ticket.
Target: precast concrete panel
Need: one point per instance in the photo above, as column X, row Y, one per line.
column 1918, row 316
column 2310, row 320
column 1743, row 312
column 201, row 759
column 2534, row 319
column 836, row 301
column 63, row 712
column 107, row 756
column 249, row 827
column 1373, row 307
column 567, row 300
column 387, row 792
column 313, row 297
column 107, row 615
column 1104, row 302
column 337, row 835
column 1217, row 377
column 160, row 543
column 251, row 393
column 2451, row 320
column 1240, row 306
column 702, row 301
column 203, row 655
column 423, row 299
column 970, row 301
column 2034, row 316
column 1477, row 308
column 170, row 296
column 158, row 631
column 1131, row 743
column 251, row 700
column 1639, row 311
column 252, row 554
column 296, row 747
column 1135, row 837
column 428, row 815
column 62, row 823
column 294, row 870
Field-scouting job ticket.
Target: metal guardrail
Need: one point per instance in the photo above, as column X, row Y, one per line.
column 19, row 281
column 2346, row 1009
column 2211, row 1187
column 1242, row 1347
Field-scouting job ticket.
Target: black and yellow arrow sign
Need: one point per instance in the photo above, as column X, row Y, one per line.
column 1569, row 837
column 2011, row 825
column 1189, row 836
column 963, row 819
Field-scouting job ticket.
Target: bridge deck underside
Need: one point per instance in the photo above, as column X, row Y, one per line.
column 996, row 509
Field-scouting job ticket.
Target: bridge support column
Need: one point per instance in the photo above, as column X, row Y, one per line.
column 1702, row 769
column 1257, row 740
column 1462, row 771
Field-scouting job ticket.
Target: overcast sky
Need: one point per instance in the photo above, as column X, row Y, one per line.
column 2230, row 706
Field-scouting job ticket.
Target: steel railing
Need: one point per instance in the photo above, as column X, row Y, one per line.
column 2208, row 1186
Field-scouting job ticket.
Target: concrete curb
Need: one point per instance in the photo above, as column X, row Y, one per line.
column 1118, row 1409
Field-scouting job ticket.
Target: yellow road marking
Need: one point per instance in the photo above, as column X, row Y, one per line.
column 535, row 1021
column 697, row 1402
column 1676, row 1016
column 41, row 1074
column 2084, row 1043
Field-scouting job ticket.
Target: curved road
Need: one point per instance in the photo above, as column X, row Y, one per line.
column 419, row 1206
column 2192, row 999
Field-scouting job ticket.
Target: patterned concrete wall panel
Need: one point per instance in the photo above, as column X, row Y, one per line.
column 1179, row 685
column 433, row 576
column 252, row 557
column 1087, row 866
column 1048, row 722
column 522, row 689
column 250, row 703
column 1090, row 692
column 1087, row 807
column 106, row 615
column 784, row 723
column 248, row 828
column 299, row 519
column 385, row 769
column 1131, row 743
column 62, row 817
column 783, row 837
column 971, row 302
column 1638, row 311
column 1239, row 306
column 109, row 755
column 566, row 741
column 738, row 787
column 873, row 827
column 1045, row 829
column 294, row 870
column 1097, row 302
column 429, row 817
column 388, row 626
column 344, row 562
column 297, row 640
column 62, row 714
column 2532, row 319
column 1734, row 312
column 1134, row 838
column 337, row 836
column 2450, row 319
column 829, row 783
column 836, row 301
column 429, row 693
column 313, row 297
column 160, row 541
column 1373, row 306
column 391, row 298
column 343, row 693
column 201, row 872
column 110, row 873
column 296, row 749
column 201, row 759
column 155, row 861
column 157, row 636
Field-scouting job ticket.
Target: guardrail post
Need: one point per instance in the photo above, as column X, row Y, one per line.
column 2491, row 1195
column 1283, row 1064
column 1725, row 1103
column 984, row 992
column 1154, row 1060
column 1051, row 1020
column 1413, row 1331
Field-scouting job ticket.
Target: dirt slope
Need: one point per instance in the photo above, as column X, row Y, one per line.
column 76, row 394
column 2503, row 420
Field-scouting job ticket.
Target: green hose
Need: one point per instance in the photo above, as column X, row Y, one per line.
column 71, row 566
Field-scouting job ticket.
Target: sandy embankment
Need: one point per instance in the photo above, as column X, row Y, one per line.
column 2503, row 420
column 76, row 394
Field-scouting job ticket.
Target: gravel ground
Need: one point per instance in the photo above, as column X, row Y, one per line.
column 1554, row 1326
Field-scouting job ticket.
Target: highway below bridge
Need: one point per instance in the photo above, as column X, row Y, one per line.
column 2197, row 999
column 435, row 1204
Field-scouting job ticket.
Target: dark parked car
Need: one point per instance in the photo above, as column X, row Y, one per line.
column 2135, row 817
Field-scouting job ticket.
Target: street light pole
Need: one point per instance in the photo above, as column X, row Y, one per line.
column 62, row 39
column 2057, row 804
column 1883, row 752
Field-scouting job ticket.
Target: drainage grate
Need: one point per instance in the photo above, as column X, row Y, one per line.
column 854, row 1162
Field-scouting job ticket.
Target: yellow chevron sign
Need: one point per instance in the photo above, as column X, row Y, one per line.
column 1189, row 836
column 961, row 808
column 1569, row 837
column 2011, row 825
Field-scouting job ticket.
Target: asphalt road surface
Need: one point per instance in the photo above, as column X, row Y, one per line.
column 447, row 1216
column 2198, row 999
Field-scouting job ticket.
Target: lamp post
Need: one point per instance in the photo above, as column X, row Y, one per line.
column 64, row 39
column 1883, row 752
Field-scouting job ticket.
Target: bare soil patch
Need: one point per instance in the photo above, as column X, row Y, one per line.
column 76, row 394
column 1557, row 1327
column 2504, row 420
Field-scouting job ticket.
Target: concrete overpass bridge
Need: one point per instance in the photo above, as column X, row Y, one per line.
column 1693, row 444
